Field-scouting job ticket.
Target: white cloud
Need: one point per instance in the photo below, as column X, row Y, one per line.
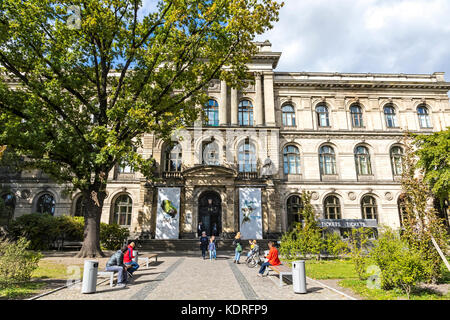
column 409, row 36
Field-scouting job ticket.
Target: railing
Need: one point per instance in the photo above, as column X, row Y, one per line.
column 248, row 175
column 171, row 175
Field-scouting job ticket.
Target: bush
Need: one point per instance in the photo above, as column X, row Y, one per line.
column 358, row 242
column 17, row 263
column 40, row 229
column 401, row 266
column 334, row 245
column 112, row 236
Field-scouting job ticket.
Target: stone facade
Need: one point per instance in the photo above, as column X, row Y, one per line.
column 269, row 134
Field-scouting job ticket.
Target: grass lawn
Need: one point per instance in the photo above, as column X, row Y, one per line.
column 344, row 270
column 46, row 270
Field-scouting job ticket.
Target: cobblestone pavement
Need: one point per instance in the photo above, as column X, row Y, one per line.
column 189, row 277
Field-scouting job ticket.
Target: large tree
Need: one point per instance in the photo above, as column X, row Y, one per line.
column 82, row 81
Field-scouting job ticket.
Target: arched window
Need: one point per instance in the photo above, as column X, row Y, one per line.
column 362, row 160
column 390, row 116
column 79, row 207
column 424, row 117
column 7, row 207
column 46, row 204
column 357, row 116
column 245, row 113
column 327, row 160
column 332, row 208
column 397, row 160
column 323, row 119
column 369, row 208
column 294, row 211
column 210, row 153
column 288, row 116
column 122, row 210
column 173, row 158
column 212, row 113
column 247, row 157
column 291, row 157
column 124, row 167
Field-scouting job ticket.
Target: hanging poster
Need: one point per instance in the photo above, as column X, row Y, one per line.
column 250, row 212
column 168, row 213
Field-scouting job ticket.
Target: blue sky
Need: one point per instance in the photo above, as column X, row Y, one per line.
column 377, row 36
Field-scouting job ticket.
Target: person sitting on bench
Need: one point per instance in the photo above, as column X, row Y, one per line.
column 115, row 264
column 272, row 259
column 128, row 260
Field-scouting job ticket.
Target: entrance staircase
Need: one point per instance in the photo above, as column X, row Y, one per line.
column 191, row 245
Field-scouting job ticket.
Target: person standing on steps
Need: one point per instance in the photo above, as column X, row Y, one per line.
column 204, row 244
column 200, row 229
column 237, row 247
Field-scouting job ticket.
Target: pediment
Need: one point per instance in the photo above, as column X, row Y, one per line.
column 209, row 171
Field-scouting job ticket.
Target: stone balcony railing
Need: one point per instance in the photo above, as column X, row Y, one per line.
column 172, row 175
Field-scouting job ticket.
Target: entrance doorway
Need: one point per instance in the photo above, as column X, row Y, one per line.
column 210, row 212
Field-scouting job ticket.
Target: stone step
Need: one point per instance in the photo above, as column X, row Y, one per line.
column 190, row 245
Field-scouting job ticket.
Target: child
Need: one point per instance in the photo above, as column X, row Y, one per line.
column 252, row 246
column 203, row 244
column 212, row 248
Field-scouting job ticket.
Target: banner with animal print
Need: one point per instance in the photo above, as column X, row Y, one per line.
column 250, row 212
column 168, row 213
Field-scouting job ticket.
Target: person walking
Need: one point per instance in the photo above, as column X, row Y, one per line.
column 212, row 248
column 237, row 247
column 203, row 244
column 115, row 264
column 272, row 259
column 128, row 260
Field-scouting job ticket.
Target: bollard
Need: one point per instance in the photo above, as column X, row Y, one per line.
column 299, row 276
column 90, row 276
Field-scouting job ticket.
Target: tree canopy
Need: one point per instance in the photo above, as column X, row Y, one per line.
column 82, row 81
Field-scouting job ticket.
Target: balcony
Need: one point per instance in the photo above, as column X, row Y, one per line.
column 172, row 175
column 248, row 175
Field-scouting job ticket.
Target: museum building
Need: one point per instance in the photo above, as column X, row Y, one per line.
column 243, row 166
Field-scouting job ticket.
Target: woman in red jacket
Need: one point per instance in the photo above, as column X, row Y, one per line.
column 272, row 259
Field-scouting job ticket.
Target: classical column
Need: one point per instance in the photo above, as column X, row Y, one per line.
column 269, row 100
column 259, row 100
column 223, row 103
column 234, row 107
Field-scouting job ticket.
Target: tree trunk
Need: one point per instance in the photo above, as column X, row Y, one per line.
column 93, row 199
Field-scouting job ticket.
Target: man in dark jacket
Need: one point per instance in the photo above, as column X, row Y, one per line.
column 115, row 264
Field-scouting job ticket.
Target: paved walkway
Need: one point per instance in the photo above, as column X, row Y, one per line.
column 181, row 277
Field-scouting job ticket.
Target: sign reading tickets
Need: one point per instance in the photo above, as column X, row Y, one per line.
column 348, row 223
column 168, row 213
column 250, row 212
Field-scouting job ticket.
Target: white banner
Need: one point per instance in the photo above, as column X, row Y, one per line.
column 168, row 213
column 250, row 213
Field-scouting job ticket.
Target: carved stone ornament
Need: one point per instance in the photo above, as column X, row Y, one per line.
column 315, row 196
column 388, row 196
column 352, row 195
column 25, row 194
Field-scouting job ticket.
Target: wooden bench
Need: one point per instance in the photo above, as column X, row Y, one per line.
column 282, row 270
column 147, row 258
column 109, row 274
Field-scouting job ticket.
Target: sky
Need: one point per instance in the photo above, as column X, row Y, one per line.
column 376, row 36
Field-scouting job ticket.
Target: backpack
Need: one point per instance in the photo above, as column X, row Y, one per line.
column 238, row 247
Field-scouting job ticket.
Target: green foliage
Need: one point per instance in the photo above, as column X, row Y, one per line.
column 358, row 244
column 401, row 266
column 101, row 84
column 421, row 222
column 434, row 158
column 43, row 229
column 40, row 229
column 334, row 245
column 17, row 263
column 112, row 236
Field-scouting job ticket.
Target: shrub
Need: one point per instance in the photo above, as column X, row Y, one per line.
column 401, row 266
column 334, row 245
column 70, row 228
column 40, row 229
column 358, row 242
column 17, row 263
column 112, row 236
